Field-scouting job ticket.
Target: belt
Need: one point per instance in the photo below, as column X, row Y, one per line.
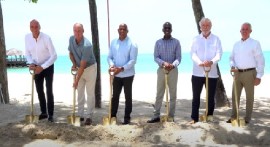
column 244, row 70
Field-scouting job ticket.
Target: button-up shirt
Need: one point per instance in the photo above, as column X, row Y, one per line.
column 123, row 53
column 205, row 49
column 82, row 51
column 40, row 51
column 168, row 50
column 248, row 54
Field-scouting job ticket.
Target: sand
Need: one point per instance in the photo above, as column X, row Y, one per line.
column 15, row 132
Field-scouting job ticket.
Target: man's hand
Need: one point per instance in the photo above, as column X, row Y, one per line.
column 206, row 63
column 115, row 70
column 168, row 66
column 257, row 81
column 38, row 69
column 233, row 69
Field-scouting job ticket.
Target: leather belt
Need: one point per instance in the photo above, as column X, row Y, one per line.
column 244, row 70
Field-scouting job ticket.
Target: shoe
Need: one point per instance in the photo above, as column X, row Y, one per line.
column 154, row 120
column 42, row 116
column 247, row 122
column 126, row 122
column 229, row 121
column 192, row 122
column 81, row 119
column 88, row 121
column 50, row 119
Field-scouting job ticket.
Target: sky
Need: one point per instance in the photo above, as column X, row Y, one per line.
column 143, row 17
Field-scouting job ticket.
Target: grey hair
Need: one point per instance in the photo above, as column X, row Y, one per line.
column 205, row 20
column 249, row 25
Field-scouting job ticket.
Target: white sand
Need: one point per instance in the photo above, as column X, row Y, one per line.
column 217, row 133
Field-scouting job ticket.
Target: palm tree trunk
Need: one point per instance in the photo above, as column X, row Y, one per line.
column 95, row 41
column 3, row 67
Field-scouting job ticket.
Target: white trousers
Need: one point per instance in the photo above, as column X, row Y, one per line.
column 87, row 83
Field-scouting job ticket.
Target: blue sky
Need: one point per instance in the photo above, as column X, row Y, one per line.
column 143, row 17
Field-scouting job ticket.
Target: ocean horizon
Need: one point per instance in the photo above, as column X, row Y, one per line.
column 145, row 64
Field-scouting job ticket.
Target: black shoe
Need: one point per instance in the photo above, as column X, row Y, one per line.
column 42, row 116
column 247, row 122
column 88, row 121
column 229, row 121
column 126, row 122
column 81, row 119
column 50, row 119
column 154, row 120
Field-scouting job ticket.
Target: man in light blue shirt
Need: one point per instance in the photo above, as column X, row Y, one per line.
column 121, row 59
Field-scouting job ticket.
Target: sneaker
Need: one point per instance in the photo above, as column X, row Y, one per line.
column 154, row 120
column 88, row 122
column 50, row 119
column 42, row 116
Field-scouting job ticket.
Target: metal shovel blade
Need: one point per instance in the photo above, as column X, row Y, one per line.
column 74, row 120
column 109, row 121
column 166, row 118
column 204, row 118
column 31, row 118
column 238, row 123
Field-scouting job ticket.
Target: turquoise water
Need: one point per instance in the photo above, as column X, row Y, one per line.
column 145, row 64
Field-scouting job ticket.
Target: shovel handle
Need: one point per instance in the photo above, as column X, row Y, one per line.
column 206, row 69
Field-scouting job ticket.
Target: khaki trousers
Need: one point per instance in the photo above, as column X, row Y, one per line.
column 87, row 83
column 244, row 80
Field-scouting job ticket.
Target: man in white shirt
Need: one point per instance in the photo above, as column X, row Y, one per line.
column 247, row 63
column 206, row 51
column 41, row 55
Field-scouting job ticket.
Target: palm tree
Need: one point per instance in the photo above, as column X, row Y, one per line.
column 3, row 67
column 95, row 41
column 221, row 96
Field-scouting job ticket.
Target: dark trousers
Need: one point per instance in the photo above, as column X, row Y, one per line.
column 197, row 86
column 118, row 83
column 46, row 74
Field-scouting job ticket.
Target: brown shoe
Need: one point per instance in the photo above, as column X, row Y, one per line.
column 88, row 122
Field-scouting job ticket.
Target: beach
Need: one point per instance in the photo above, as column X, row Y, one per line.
column 15, row 132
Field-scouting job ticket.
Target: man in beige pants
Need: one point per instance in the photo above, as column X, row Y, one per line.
column 247, row 63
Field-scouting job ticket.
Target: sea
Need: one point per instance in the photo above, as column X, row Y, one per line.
column 145, row 64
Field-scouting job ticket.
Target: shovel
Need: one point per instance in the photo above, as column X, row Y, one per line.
column 166, row 118
column 236, row 122
column 73, row 119
column 107, row 120
column 206, row 117
column 32, row 118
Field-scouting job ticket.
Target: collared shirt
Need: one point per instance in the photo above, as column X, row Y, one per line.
column 167, row 51
column 248, row 54
column 41, row 51
column 82, row 51
column 205, row 49
column 123, row 54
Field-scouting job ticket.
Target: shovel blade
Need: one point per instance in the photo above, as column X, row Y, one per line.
column 203, row 118
column 31, row 118
column 166, row 119
column 74, row 120
column 107, row 121
column 238, row 123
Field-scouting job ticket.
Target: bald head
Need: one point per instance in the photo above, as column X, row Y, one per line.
column 78, row 32
column 35, row 28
